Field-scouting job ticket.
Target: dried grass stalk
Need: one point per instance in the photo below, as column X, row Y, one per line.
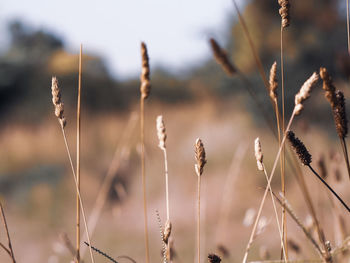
column 258, row 154
column 200, row 157
column 299, row 148
column 341, row 121
column 57, row 102
column 161, row 132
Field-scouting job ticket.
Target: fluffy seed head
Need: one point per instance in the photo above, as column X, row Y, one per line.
column 299, row 148
column 328, row 87
column 200, row 157
column 145, row 73
column 273, row 82
column 212, row 258
column 161, row 132
column 258, row 154
column 284, row 12
column 57, row 103
column 339, row 112
column 221, row 58
column 304, row 92
column 167, row 231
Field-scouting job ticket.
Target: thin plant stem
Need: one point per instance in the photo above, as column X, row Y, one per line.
column 77, row 190
column 199, row 218
column 166, row 183
column 142, row 120
column 12, row 255
column 276, row 214
column 78, row 159
column 329, row 188
column 283, row 186
column 252, row 235
column 290, row 211
column 346, row 155
column 347, row 24
column 5, row 248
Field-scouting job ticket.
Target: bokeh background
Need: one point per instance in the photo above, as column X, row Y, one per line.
column 40, row 39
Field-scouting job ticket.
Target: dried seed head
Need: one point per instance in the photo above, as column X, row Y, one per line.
column 200, row 157
column 258, row 154
column 161, row 133
column 167, row 231
column 273, row 82
column 57, row 103
column 328, row 87
column 339, row 112
column 145, row 73
column 284, row 12
column 221, row 58
column 299, row 148
column 212, row 258
column 304, row 93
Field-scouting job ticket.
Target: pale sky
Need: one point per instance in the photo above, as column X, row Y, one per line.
column 176, row 32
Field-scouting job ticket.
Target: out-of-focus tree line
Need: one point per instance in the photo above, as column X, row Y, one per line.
column 316, row 37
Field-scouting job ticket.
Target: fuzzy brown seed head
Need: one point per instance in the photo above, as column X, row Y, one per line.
column 258, row 154
column 299, row 148
column 145, row 73
column 212, row 258
column 161, row 132
column 221, row 58
column 328, row 87
column 339, row 112
column 304, row 92
column 200, row 157
column 273, row 82
column 167, row 231
column 57, row 103
column 284, row 12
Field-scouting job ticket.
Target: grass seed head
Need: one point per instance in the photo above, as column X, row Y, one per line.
column 221, row 58
column 161, row 132
column 200, row 157
column 284, row 12
column 57, row 103
column 304, row 92
column 145, row 73
column 167, row 231
column 212, row 258
column 299, row 148
column 339, row 112
column 273, row 82
column 258, row 154
column 328, row 87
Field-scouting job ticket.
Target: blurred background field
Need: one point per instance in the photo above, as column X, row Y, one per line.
column 196, row 99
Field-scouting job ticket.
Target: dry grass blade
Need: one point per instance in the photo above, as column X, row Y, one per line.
column 145, row 89
column 78, row 155
column 10, row 249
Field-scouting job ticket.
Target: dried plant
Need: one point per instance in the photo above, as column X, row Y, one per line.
column 273, row 82
column 57, row 102
column 304, row 93
column 201, row 161
column 9, row 250
column 145, row 89
column 212, row 258
column 284, row 12
column 341, row 121
column 221, row 58
column 305, row 158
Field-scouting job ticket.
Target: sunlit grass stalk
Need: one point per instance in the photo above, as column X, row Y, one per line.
column 201, row 161
column 145, row 90
column 9, row 250
column 78, row 158
column 59, row 110
column 300, row 97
